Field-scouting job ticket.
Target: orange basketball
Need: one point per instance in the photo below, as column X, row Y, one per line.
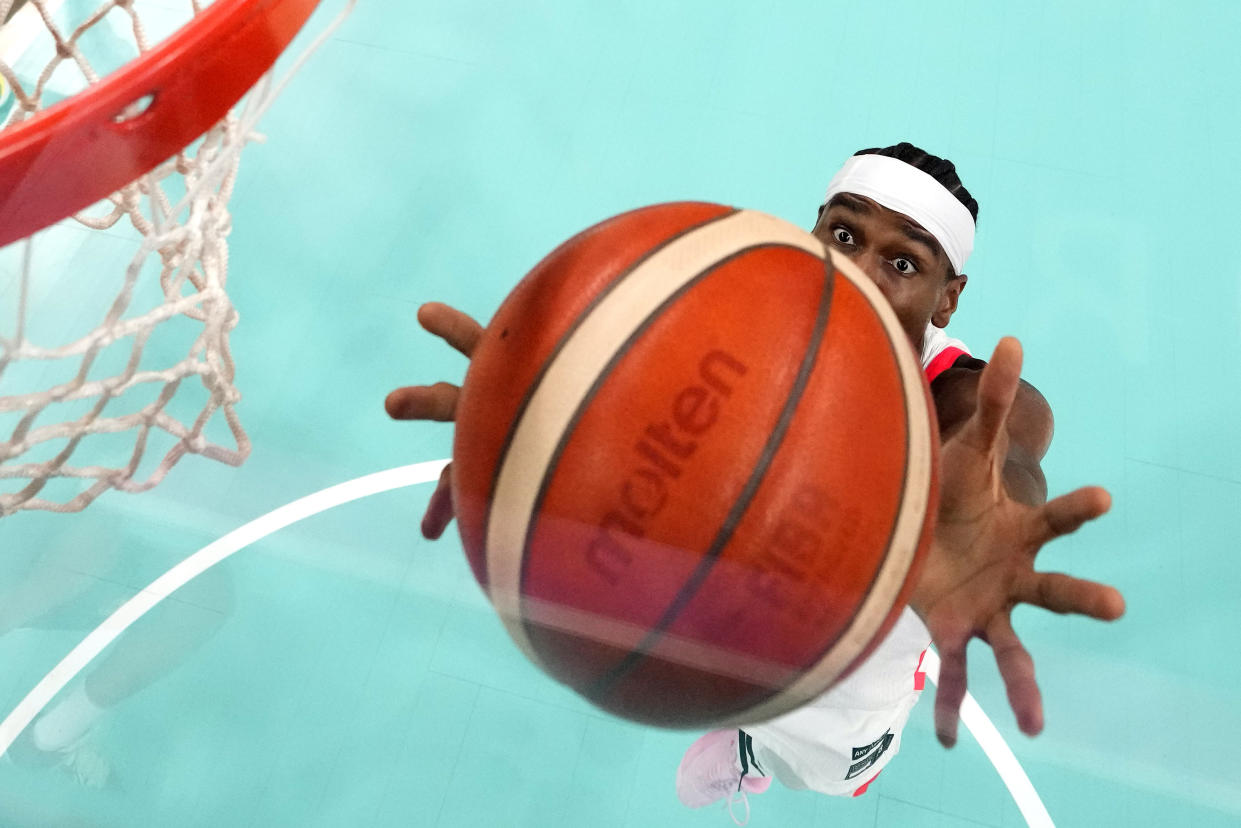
column 695, row 465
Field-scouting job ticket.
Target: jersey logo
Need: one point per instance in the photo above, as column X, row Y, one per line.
column 865, row 757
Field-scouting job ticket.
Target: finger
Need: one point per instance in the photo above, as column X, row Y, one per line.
column 458, row 329
column 424, row 402
column 997, row 388
column 1017, row 670
column 439, row 509
column 1065, row 594
column 1067, row 513
column 949, row 693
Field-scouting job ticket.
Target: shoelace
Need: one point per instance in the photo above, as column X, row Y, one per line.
column 732, row 798
column 746, row 748
column 81, row 760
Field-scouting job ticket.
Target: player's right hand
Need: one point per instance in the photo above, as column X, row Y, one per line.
column 980, row 566
column 437, row 402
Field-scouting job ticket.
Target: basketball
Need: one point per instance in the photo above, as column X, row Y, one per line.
column 695, row 465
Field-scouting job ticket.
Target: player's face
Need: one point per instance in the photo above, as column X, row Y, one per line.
column 900, row 257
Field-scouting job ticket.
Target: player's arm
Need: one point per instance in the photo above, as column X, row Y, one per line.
column 1030, row 427
column 993, row 520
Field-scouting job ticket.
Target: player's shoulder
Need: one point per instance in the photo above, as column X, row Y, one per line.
column 965, row 372
column 963, row 364
column 955, row 391
column 942, row 353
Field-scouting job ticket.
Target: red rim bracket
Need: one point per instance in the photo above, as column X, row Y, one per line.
column 77, row 152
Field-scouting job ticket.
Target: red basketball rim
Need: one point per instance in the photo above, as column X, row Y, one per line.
column 75, row 153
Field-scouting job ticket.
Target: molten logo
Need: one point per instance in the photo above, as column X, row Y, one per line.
column 662, row 451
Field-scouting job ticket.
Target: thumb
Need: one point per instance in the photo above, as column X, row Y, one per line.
column 997, row 388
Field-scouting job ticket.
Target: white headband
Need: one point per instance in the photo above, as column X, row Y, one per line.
column 906, row 189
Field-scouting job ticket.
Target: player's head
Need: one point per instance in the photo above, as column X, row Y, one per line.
column 903, row 216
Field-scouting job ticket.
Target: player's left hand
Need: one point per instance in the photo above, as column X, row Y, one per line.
column 437, row 402
column 981, row 563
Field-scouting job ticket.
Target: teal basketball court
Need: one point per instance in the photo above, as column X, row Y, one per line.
column 343, row 671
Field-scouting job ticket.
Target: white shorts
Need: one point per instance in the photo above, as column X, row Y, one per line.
column 839, row 742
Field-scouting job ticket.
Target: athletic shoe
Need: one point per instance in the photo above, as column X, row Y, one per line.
column 718, row 766
column 85, row 764
column 80, row 760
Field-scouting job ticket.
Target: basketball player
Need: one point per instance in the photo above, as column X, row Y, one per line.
column 905, row 219
column 72, row 583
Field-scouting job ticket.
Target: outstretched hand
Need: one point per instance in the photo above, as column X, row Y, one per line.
column 437, row 402
column 981, row 563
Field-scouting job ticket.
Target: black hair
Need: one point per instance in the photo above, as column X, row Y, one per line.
column 941, row 169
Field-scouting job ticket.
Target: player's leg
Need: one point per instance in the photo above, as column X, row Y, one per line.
column 835, row 745
column 50, row 579
column 146, row 652
column 832, row 750
column 62, row 586
column 51, row 598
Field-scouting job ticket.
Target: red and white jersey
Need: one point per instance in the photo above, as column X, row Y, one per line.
column 940, row 351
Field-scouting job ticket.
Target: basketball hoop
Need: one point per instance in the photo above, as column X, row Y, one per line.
column 157, row 140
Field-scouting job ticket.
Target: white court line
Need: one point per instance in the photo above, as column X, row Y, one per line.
column 977, row 722
column 972, row 715
column 192, row 567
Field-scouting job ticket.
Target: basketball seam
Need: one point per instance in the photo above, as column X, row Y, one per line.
column 900, row 500
column 550, row 471
column 551, row 357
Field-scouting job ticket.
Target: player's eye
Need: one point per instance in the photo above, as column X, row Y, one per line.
column 904, row 266
column 842, row 235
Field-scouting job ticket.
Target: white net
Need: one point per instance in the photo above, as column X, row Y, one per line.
column 107, row 383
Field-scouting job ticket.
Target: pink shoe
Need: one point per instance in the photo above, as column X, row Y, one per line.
column 718, row 766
